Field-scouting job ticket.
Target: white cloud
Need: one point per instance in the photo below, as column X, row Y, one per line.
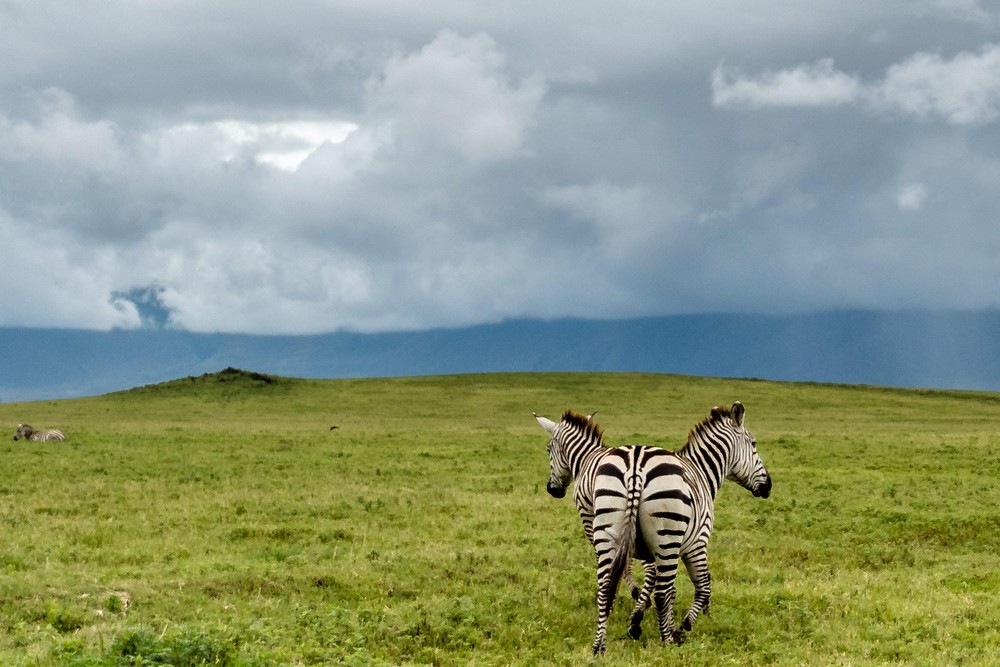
column 453, row 93
column 285, row 145
column 57, row 136
column 962, row 90
column 912, row 197
column 47, row 284
column 236, row 282
column 811, row 85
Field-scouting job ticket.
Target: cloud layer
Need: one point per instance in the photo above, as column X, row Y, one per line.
column 373, row 167
column 962, row 90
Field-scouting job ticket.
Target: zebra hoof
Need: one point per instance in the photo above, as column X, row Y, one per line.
column 636, row 593
column 635, row 631
column 679, row 637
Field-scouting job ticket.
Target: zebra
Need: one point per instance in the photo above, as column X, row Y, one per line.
column 28, row 433
column 653, row 504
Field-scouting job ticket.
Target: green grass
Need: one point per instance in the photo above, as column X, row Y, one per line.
column 219, row 521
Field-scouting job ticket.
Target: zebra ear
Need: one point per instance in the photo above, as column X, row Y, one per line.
column 738, row 413
column 547, row 424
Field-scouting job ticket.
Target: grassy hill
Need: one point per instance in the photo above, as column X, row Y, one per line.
column 221, row 520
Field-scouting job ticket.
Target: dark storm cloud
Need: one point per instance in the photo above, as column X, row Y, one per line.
column 310, row 167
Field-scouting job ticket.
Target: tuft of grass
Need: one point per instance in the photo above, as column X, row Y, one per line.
column 61, row 618
column 180, row 647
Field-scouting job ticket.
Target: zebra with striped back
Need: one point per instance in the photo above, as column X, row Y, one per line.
column 26, row 432
column 653, row 504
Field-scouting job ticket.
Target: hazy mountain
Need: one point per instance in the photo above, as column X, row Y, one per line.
column 908, row 349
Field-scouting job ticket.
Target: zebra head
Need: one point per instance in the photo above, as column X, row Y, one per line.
column 560, row 468
column 23, row 431
column 747, row 468
column 560, row 473
column 571, row 441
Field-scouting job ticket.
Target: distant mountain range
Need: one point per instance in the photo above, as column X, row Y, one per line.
column 947, row 350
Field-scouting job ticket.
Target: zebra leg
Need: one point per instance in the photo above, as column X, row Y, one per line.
column 663, row 597
column 642, row 598
column 605, row 601
column 664, row 600
column 696, row 563
column 610, row 569
column 633, row 585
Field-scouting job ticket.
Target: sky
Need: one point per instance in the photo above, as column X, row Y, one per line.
column 316, row 166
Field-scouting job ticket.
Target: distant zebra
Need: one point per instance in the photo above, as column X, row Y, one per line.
column 28, row 433
column 652, row 504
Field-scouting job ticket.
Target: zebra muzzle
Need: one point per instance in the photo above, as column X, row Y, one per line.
column 764, row 490
column 556, row 491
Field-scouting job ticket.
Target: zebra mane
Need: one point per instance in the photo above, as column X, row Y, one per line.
column 716, row 416
column 588, row 426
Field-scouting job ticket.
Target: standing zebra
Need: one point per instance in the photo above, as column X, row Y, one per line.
column 28, row 433
column 652, row 504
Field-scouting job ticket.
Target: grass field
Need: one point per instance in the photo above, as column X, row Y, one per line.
column 219, row 520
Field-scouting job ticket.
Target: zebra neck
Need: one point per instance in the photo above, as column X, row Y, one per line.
column 582, row 456
column 709, row 463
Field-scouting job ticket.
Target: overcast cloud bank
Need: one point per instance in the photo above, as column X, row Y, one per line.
column 371, row 167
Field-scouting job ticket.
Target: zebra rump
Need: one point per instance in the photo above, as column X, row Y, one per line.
column 27, row 432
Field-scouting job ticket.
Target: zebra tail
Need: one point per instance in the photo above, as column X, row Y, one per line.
column 621, row 564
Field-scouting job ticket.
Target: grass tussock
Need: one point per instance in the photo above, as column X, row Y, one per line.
column 220, row 520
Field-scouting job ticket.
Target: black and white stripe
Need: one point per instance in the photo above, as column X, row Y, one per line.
column 652, row 504
column 26, row 432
